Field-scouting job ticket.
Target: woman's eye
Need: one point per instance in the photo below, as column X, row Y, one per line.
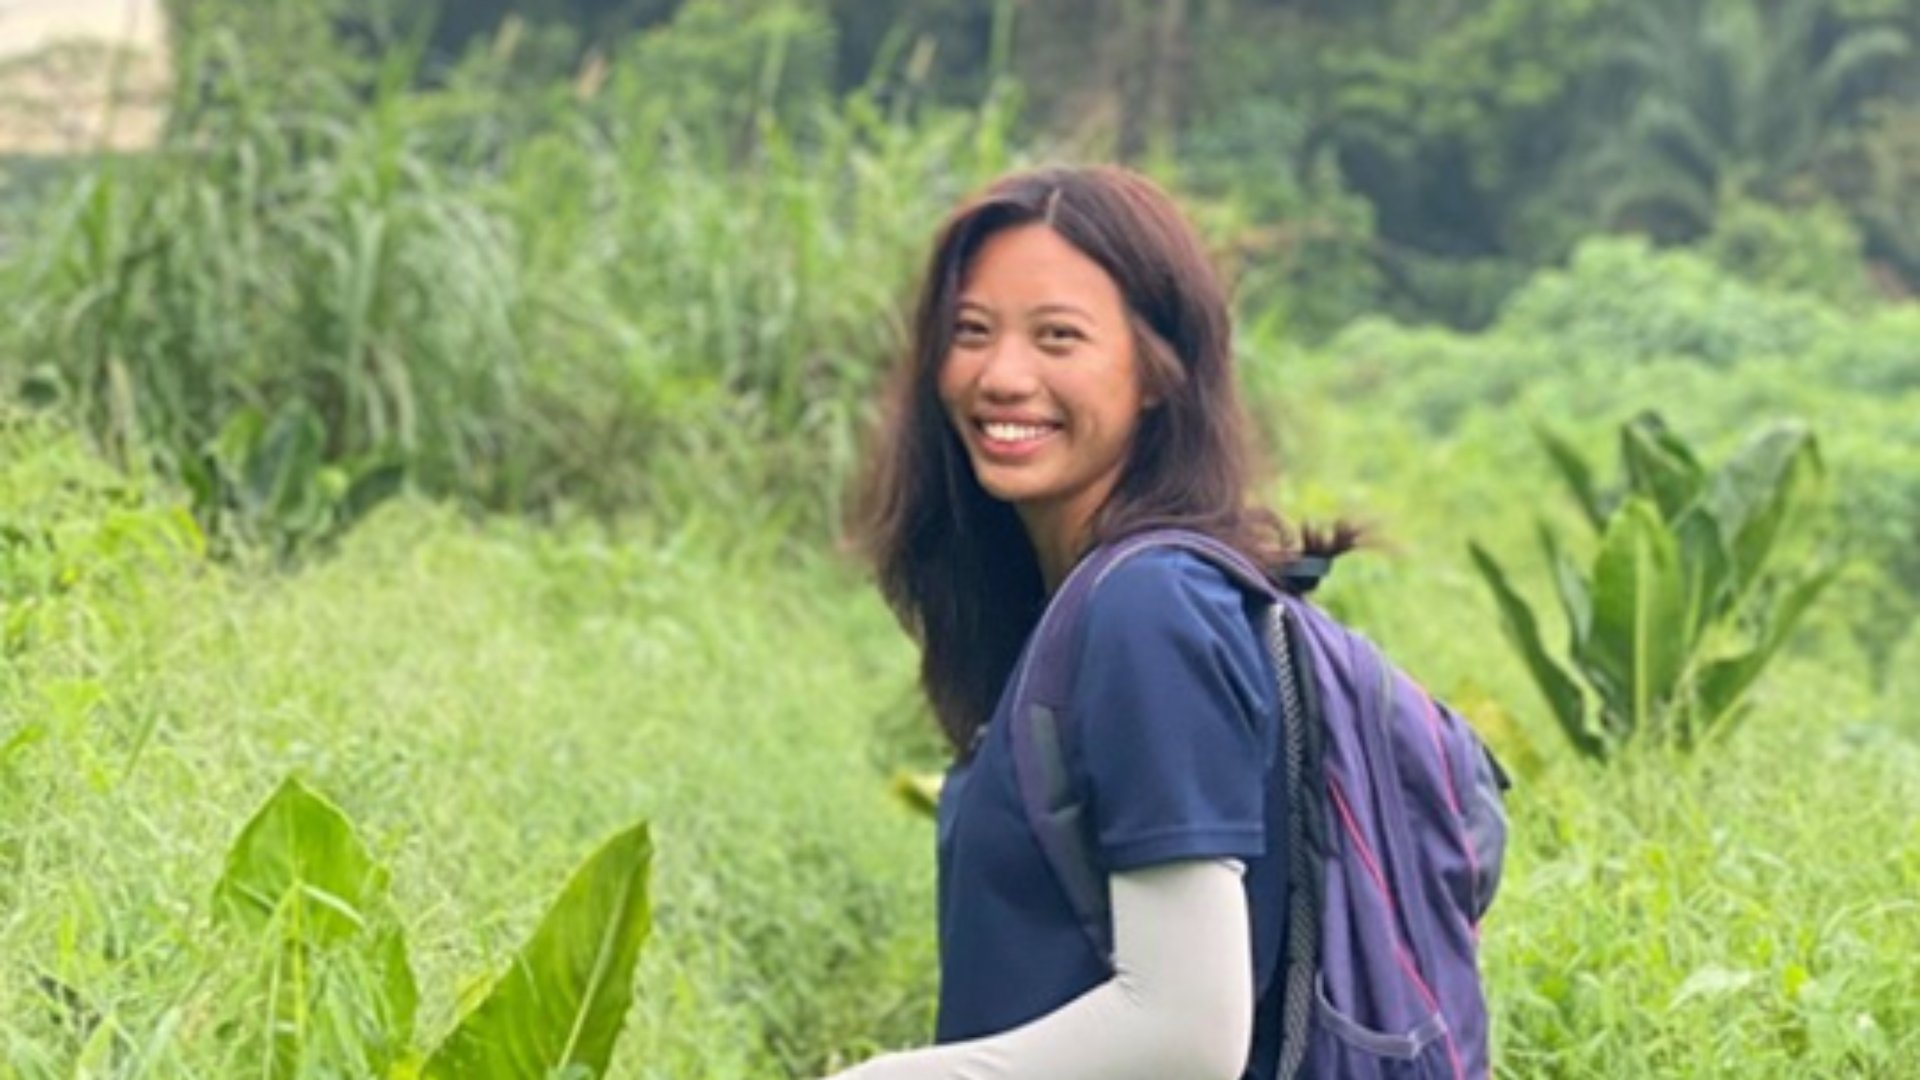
column 1059, row 335
column 969, row 331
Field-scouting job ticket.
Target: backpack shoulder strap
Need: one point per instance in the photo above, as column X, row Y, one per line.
column 1302, row 738
column 1040, row 734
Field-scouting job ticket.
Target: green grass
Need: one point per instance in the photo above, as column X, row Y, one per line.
column 1754, row 912
column 487, row 703
column 490, row 700
column 594, row 319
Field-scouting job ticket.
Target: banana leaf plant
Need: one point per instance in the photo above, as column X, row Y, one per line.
column 336, row 995
column 1681, row 609
column 266, row 479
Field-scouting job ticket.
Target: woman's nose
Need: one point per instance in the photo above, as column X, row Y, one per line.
column 1008, row 372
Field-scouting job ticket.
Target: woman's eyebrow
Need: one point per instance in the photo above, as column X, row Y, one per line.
column 1052, row 308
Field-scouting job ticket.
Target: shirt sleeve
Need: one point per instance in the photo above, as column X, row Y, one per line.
column 1172, row 730
column 1180, row 1002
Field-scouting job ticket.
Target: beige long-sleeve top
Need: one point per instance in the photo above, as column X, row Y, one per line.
column 1178, row 1007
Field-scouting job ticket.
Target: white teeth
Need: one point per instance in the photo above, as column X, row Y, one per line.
column 1014, row 432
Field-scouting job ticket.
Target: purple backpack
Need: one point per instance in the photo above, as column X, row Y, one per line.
column 1395, row 843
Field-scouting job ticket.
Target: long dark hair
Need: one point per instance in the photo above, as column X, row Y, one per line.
column 953, row 562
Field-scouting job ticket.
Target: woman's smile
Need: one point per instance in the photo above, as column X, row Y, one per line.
column 1013, row 440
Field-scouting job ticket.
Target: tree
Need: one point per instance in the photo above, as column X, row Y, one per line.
column 1732, row 97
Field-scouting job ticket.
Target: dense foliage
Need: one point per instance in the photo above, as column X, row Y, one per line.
column 454, row 412
column 513, row 317
column 485, row 703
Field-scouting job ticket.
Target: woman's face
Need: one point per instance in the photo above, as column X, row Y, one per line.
column 1040, row 381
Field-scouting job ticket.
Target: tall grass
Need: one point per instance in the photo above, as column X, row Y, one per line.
column 596, row 308
column 486, row 699
column 260, row 258
column 756, row 309
column 486, row 702
column 525, row 325
column 1750, row 915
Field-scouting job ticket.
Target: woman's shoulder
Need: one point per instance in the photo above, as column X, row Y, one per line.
column 1150, row 581
column 1168, row 633
column 1168, row 591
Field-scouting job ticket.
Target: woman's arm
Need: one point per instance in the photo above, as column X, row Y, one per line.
column 1179, row 1006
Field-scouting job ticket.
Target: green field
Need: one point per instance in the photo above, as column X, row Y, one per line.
column 472, row 448
column 489, row 699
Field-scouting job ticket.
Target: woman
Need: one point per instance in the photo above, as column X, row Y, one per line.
column 1070, row 382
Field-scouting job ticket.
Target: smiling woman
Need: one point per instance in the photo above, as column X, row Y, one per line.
column 955, row 558
column 1040, row 384
column 1070, row 384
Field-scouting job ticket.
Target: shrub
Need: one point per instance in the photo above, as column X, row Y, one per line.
column 1624, row 302
column 1814, row 250
column 1681, row 612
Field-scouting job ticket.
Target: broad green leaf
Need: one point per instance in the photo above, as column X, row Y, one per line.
column 1659, row 465
column 1639, row 613
column 920, row 792
column 373, row 482
column 300, row 851
column 1724, row 683
column 399, row 993
column 235, row 444
column 333, row 992
column 1754, row 493
column 343, row 1010
column 1858, row 56
column 201, row 475
column 280, row 472
column 1704, row 568
column 1575, row 597
column 1561, row 692
column 288, row 1024
column 1577, row 474
column 562, row 1003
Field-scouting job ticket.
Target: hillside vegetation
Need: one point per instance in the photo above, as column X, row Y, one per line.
column 462, row 428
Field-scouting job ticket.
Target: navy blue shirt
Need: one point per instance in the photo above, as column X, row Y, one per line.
column 1176, row 717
